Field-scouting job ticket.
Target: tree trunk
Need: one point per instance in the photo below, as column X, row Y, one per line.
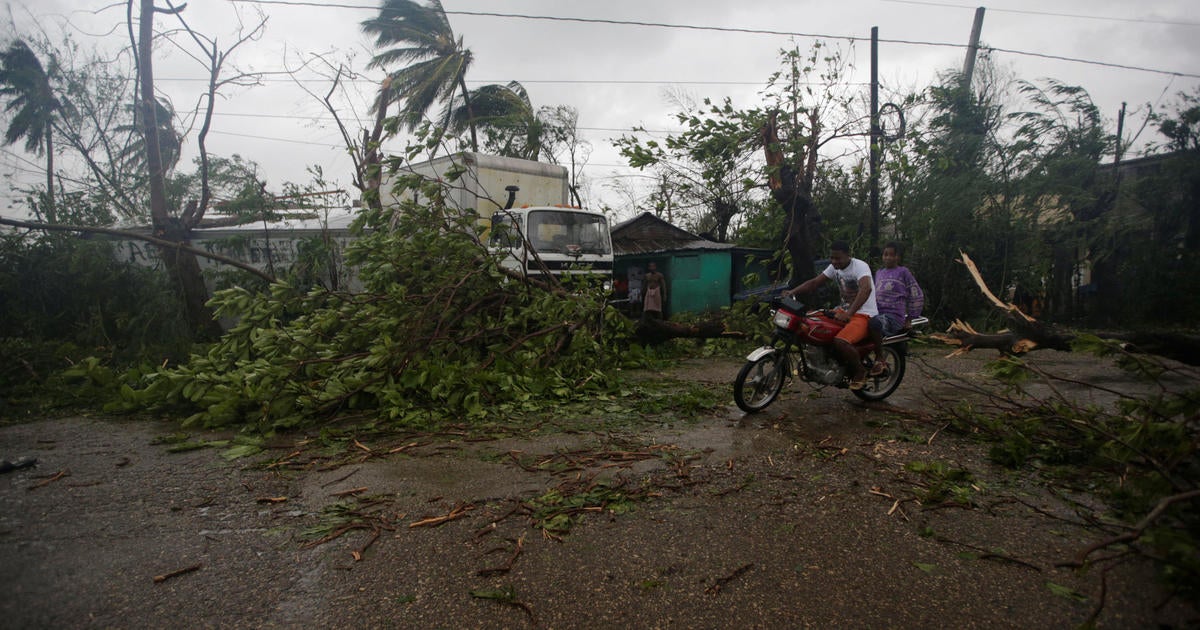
column 655, row 331
column 462, row 85
column 182, row 266
column 798, row 233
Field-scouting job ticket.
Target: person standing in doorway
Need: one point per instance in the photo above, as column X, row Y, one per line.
column 654, row 288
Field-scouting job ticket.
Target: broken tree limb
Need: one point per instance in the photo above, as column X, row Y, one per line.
column 1136, row 532
column 1011, row 309
column 434, row 521
column 1025, row 333
column 176, row 573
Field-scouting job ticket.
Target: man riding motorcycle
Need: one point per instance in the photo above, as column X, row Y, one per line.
column 857, row 290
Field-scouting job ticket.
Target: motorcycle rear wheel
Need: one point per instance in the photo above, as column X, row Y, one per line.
column 880, row 387
column 759, row 382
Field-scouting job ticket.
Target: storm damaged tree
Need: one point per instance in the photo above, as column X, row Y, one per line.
column 439, row 330
column 727, row 158
column 1057, row 150
column 437, row 63
column 174, row 226
column 707, row 172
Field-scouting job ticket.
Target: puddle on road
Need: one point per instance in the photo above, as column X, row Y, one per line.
column 483, row 471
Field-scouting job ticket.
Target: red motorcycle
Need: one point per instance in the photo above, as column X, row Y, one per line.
column 802, row 346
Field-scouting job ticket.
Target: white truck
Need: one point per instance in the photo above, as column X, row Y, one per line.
column 524, row 211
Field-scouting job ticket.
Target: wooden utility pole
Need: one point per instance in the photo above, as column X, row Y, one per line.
column 876, row 141
column 972, row 49
column 1117, row 155
column 1120, row 132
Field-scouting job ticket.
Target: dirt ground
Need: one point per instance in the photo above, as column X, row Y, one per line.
column 800, row 516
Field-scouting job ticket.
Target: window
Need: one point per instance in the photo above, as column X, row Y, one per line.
column 506, row 231
column 561, row 231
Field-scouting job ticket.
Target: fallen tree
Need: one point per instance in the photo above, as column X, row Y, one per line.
column 440, row 329
column 1024, row 333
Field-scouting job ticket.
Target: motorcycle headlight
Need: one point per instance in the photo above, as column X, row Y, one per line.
column 783, row 319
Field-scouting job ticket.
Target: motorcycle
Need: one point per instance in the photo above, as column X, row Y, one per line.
column 801, row 346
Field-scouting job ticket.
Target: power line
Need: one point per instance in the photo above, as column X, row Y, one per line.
column 331, row 118
column 338, row 146
column 732, row 29
column 1048, row 13
column 327, row 145
column 521, row 81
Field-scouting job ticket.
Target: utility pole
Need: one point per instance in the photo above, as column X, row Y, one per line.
column 876, row 140
column 1117, row 156
column 972, row 49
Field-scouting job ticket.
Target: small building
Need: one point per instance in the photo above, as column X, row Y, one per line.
column 702, row 275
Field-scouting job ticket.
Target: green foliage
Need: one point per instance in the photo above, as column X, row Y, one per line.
column 556, row 511
column 438, row 329
column 1155, row 229
column 1137, row 451
column 64, row 300
column 942, row 482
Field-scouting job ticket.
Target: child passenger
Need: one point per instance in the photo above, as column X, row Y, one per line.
column 899, row 299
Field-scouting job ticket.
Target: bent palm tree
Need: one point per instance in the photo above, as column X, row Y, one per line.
column 510, row 125
column 26, row 85
column 437, row 62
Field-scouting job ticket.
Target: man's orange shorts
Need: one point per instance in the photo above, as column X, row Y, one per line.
column 856, row 329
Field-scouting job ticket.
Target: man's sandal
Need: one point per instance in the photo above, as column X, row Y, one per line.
column 878, row 368
column 858, row 384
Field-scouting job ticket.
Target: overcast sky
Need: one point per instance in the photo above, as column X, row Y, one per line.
column 617, row 75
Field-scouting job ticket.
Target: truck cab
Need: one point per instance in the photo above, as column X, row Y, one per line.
column 555, row 240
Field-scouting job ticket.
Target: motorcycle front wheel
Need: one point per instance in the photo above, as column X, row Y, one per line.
column 760, row 381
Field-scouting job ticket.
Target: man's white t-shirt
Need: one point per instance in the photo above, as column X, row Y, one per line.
column 847, row 281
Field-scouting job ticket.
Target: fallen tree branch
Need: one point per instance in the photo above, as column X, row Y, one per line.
column 1137, row 531
column 657, row 331
column 458, row 512
column 178, row 572
column 1026, row 333
column 55, row 477
column 721, row 582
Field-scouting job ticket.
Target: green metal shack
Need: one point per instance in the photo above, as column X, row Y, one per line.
column 699, row 272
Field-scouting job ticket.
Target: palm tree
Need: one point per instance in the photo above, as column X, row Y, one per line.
column 31, row 100
column 170, row 141
column 510, row 125
column 437, row 62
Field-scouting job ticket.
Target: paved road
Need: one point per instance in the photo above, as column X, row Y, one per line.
column 777, row 520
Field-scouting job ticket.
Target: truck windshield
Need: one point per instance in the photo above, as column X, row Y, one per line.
column 566, row 232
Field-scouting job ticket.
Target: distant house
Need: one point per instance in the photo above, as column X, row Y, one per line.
column 702, row 275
